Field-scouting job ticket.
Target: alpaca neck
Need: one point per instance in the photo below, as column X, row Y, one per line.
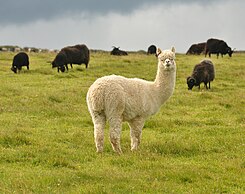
column 164, row 83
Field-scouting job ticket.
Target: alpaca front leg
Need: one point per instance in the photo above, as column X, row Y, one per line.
column 115, row 132
column 136, row 127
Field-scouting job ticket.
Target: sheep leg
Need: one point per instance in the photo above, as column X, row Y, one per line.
column 136, row 126
column 99, row 121
column 66, row 67
column 206, row 85
column 115, row 132
column 19, row 69
column 209, row 85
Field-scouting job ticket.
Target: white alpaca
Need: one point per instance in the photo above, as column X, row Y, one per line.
column 117, row 99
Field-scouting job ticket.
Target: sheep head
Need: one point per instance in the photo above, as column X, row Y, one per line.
column 191, row 82
column 14, row 69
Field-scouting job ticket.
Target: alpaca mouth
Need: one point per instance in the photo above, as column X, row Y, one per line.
column 169, row 66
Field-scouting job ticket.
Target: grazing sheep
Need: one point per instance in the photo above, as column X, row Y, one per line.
column 216, row 46
column 202, row 72
column 77, row 54
column 117, row 99
column 117, row 51
column 20, row 59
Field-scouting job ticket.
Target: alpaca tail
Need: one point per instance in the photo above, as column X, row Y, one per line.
column 95, row 98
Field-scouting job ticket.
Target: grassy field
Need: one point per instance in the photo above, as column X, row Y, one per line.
column 195, row 144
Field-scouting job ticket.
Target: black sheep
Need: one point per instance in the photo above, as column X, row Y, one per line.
column 117, row 51
column 196, row 49
column 202, row 72
column 152, row 50
column 216, row 46
column 19, row 60
column 60, row 61
column 78, row 54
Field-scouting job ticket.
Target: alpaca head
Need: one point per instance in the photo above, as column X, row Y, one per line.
column 166, row 59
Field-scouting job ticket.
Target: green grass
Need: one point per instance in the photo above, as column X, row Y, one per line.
column 195, row 144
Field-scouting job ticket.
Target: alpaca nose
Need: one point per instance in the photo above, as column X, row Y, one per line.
column 167, row 62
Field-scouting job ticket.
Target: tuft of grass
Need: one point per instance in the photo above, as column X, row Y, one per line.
column 194, row 144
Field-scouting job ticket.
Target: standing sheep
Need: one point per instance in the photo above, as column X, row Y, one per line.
column 202, row 72
column 117, row 99
column 152, row 50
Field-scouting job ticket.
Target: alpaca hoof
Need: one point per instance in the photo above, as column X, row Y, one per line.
column 99, row 150
column 118, row 151
column 133, row 149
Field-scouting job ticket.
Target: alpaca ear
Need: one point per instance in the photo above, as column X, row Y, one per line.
column 173, row 49
column 159, row 51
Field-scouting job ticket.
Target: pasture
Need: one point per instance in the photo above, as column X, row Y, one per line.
column 194, row 144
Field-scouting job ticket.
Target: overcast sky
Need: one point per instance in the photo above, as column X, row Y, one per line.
column 131, row 24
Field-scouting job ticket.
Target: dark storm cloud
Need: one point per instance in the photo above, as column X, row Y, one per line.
column 24, row 11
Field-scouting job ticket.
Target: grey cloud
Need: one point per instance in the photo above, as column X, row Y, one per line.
column 13, row 11
column 24, row 11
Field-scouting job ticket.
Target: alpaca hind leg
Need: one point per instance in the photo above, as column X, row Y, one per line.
column 115, row 132
column 136, row 127
column 99, row 121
